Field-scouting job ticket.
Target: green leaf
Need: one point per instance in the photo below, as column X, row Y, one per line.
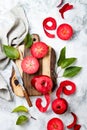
column 21, row 120
column 71, row 71
column 62, row 56
column 11, row 52
column 28, row 41
column 68, row 61
column 20, row 109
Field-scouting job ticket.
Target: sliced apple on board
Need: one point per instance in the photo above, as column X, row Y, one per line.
column 47, row 66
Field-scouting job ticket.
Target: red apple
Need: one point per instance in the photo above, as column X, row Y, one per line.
column 59, row 106
column 42, row 83
column 55, row 124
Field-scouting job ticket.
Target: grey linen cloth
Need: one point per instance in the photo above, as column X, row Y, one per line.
column 13, row 29
column 4, row 89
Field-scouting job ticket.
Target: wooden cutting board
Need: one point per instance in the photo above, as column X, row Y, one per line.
column 47, row 67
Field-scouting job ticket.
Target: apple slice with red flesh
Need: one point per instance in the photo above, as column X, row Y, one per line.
column 65, row 31
column 39, row 49
column 55, row 124
column 30, row 65
column 59, row 106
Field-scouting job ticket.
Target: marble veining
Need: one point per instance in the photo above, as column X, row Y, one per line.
column 36, row 11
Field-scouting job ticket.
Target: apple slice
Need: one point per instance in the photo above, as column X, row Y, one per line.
column 55, row 124
column 59, row 106
column 39, row 49
column 65, row 31
column 30, row 65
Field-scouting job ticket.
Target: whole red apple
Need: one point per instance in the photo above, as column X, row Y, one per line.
column 59, row 106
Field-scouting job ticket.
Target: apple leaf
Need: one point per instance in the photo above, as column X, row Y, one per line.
column 62, row 56
column 11, row 52
column 20, row 109
column 28, row 41
column 68, row 61
column 71, row 71
column 21, row 120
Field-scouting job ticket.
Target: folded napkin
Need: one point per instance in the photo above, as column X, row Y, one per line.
column 13, row 29
column 4, row 90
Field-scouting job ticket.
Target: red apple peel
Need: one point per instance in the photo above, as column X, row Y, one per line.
column 65, row 8
column 49, row 27
column 63, row 88
column 39, row 101
column 74, row 121
column 77, row 127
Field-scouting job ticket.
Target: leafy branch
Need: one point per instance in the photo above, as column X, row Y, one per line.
column 22, row 118
column 64, row 63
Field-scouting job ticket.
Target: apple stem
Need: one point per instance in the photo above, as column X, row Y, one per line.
column 33, row 118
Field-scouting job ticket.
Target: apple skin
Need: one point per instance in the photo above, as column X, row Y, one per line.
column 59, row 106
column 42, row 83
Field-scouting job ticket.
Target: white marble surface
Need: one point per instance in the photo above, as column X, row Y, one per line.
column 36, row 11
